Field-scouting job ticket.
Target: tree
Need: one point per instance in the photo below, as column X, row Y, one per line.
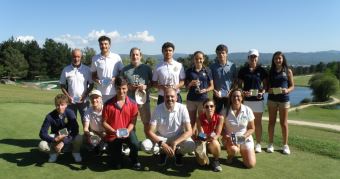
column 56, row 56
column 33, row 55
column 151, row 61
column 323, row 86
column 88, row 53
column 13, row 63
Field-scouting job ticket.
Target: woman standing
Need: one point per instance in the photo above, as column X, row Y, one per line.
column 199, row 82
column 239, row 126
column 253, row 78
column 210, row 124
column 280, row 85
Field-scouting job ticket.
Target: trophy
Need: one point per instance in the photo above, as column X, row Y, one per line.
column 169, row 81
column 136, row 79
column 197, row 89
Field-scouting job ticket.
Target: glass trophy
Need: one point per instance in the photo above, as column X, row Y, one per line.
column 122, row 132
column 63, row 131
column 136, row 79
column 94, row 139
column 169, row 81
column 197, row 89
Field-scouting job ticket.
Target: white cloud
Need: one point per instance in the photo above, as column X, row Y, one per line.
column 90, row 40
column 24, row 38
column 141, row 36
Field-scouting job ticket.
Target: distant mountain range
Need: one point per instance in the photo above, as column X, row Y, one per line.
column 293, row 58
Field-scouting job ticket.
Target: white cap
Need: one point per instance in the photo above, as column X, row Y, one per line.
column 140, row 96
column 95, row 92
column 253, row 52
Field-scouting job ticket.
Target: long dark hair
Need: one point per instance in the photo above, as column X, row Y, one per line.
column 273, row 66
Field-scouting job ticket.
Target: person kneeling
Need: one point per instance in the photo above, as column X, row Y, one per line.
column 209, row 128
column 93, row 127
column 64, row 131
column 169, row 130
column 240, row 126
column 119, row 118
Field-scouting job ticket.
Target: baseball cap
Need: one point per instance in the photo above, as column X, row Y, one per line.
column 140, row 96
column 95, row 92
column 253, row 52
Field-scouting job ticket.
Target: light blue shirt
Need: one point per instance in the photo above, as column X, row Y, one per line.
column 223, row 75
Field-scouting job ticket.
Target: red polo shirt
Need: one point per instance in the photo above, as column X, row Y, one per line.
column 207, row 126
column 119, row 117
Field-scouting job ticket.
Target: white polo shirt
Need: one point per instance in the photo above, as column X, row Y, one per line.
column 170, row 124
column 95, row 120
column 76, row 79
column 239, row 123
column 106, row 68
column 168, row 73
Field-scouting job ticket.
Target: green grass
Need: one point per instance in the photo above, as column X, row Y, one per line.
column 302, row 80
column 315, row 152
column 316, row 114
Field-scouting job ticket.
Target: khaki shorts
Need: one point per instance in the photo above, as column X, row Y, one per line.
column 278, row 104
column 144, row 112
column 194, row 105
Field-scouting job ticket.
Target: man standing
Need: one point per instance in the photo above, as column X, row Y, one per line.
column 139, row 78
column 224, row 76
column 168, row 74
column 64, row 131
column 76, row 83
column 105, row 67
column 119, row 118
column 169, row 130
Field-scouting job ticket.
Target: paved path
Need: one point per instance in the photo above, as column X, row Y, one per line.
column 312, row 124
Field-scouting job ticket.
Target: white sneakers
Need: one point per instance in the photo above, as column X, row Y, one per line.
column 285, row 150
column 258, row 148
column 77, row 157
column 53, row 158
column 270, row 148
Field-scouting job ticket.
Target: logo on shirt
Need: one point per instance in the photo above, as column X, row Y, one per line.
column 175, row 69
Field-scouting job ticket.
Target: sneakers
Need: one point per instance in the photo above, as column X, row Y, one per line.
column 125, row 150
column 285, row 150
column 179, row 160
column 258, row 148
column 270, row 148
column 216, row 166
column 137, row 166
column 77, row 157
column 53, row 158
column 162, row 159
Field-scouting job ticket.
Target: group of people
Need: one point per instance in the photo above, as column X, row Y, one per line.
column 119, row 93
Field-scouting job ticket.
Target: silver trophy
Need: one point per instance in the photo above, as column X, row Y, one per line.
column 197, row 89
column 169, row 81
column 136, row 79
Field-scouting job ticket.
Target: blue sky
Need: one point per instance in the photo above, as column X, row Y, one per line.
column 286, row 25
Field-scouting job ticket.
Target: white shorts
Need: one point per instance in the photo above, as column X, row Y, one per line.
column 255, row 106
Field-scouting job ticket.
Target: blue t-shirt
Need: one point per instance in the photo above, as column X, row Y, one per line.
column 205, row 76
column 223, row 75
column 276, row 80
column 252, row 80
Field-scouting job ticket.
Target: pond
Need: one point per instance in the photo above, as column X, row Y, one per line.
column 297, row 95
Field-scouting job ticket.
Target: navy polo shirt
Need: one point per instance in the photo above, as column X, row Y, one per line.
column 252, row 80
column 205, row 76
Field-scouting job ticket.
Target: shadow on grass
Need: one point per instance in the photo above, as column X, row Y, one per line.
column 25, row 143
column 149, row 163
